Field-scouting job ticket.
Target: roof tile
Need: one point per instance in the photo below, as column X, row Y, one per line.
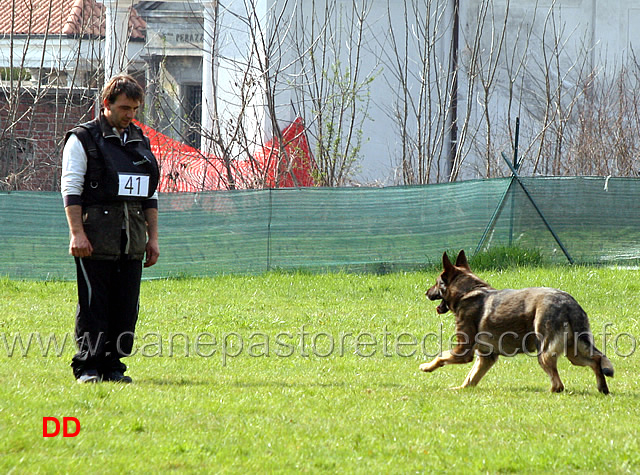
column 67, row 17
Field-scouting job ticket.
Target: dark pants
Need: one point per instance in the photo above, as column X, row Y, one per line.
column 108, row 295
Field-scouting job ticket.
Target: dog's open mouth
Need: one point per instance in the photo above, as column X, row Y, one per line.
column 442, row 308
column 434, row 294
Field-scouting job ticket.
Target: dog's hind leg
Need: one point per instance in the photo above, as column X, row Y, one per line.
column 550, row 347
column 595, row 362
column 480, row 367
column 549, row 362
column 597, row 368
column 583, row 353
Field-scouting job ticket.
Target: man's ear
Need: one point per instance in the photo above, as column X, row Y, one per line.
column 461, row 261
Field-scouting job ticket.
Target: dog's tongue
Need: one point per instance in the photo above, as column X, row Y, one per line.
column 442, row 308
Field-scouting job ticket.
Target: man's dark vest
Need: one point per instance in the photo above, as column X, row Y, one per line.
column 107, row 157
column 107, row 211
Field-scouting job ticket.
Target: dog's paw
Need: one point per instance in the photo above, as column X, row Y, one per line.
column 427, row 367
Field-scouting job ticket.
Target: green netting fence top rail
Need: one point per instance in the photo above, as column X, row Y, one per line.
column 202, row 234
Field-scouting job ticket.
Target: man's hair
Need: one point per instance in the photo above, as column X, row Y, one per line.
column 122, row 83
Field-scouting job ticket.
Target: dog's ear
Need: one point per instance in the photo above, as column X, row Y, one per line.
column 446, row 263
column 461, row 261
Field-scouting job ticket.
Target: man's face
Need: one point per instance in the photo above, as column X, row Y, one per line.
column 121, row 112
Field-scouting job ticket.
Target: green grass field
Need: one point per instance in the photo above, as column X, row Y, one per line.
column 314, row 373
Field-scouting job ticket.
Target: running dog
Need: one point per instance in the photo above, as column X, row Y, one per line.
column 538, row 320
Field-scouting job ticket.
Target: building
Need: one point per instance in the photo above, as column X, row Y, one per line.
column 406, row 92
column 51, row 55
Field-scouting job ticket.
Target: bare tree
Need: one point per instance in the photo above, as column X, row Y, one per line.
column 602, row 140
column 286, row 70
column 543, row 71
column 423, row 86
column 488, row 65
column 453, row 102
column 332, row 84
column 41, row 100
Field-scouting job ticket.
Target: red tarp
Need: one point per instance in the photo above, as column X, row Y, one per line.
column 187, row 169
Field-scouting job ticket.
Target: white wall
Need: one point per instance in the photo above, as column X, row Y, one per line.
column 604, row 31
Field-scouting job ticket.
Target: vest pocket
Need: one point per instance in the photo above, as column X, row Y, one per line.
column 103, row 226
column 137, row 230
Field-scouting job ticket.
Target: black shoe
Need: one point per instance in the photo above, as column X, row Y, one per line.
column 116, row 377
column 88, row 376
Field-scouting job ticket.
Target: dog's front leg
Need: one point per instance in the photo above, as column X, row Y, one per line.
column 435, row 363
column 448, row 357
column 481, row 366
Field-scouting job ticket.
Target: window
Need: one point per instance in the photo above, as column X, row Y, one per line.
column 193, row 114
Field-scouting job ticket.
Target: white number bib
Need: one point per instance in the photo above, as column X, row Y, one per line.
column 131, row 184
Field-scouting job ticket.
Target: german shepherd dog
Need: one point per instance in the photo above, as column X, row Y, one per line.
column 494, row 322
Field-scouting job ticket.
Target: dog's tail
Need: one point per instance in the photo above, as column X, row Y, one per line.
column 605, row 363
column 607, row 367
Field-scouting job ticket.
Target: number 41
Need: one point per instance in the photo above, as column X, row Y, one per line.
column 130, row 185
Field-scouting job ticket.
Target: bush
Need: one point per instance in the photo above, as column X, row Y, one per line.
column 7, row 74
column 506, row 257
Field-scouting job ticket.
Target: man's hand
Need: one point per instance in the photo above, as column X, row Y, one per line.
column 79, row 244
column 152, row 253
column 153, row 249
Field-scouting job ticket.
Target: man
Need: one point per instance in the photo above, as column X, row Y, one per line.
column 109, row 181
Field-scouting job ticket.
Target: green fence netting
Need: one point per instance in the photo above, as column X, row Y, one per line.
column 379, row 229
